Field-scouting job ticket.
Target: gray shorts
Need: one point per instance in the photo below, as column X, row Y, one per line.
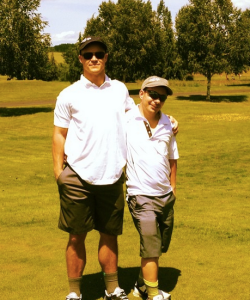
column 85, row 207
column 154, row 219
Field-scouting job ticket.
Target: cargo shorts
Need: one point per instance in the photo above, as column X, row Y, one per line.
column 154, row 220
column 84, row 207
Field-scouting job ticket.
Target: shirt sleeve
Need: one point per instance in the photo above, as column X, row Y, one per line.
column 129, row 101
column 173, row 149
column 62, row 113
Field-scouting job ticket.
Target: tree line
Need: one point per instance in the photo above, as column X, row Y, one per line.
column 209, row 37
column 23, row 46
column 61, row 47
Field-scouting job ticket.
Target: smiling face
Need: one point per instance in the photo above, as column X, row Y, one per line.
column 93, row 66
column 148, row 105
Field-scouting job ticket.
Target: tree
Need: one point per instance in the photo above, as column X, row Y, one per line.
column 61, row 47
column 72, row 60
column 128, row 29
column 168, row 62
column 139, row 40
column 23, row 46
column 51, row 69
column 239, row 45
column 204, row 31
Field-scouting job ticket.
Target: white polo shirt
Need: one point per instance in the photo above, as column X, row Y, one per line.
column 148, row 168
column 95, row 117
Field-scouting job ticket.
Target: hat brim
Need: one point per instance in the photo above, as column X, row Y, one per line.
column 169, row 91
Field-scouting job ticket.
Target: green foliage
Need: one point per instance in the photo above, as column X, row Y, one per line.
column 168, row 61
column 239, row 44
column 206, row 32
column 23, row 46
column 128, row 30
column 61, row 48
column 63, row 71
column 140, row 41
column 74, row 65
column 51, row 69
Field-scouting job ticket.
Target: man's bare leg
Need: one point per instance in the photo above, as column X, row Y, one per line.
column 108, row 259
column 76, row 261
column 150, row 268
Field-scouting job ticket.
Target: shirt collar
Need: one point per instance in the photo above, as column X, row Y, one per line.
column 163, row 119
column 88, row 83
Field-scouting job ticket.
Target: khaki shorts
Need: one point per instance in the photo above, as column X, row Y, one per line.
column 85, row 207
column 154, row 220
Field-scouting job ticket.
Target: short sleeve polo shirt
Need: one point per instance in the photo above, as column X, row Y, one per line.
column 148, row 168
column 95, row 117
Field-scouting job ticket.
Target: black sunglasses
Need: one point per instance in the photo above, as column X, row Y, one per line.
column 89, row 55
column 154, row 95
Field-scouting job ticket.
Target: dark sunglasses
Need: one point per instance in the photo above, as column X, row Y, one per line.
column 89, row 55
column 154, row 95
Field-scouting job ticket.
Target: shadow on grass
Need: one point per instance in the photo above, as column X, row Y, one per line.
column 216, row 99
column 93, row 286
column 134, row 92
column 20, row 111
column 240, row 84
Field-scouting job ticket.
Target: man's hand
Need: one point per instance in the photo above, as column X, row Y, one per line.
column 57, row 173
column 175, row 128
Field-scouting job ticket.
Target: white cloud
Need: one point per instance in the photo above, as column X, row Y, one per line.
column 64, row 37
column 243, row 4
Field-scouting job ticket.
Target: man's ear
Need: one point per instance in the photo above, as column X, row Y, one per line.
column 80, row 58
column 106, row 57
column 141, row 94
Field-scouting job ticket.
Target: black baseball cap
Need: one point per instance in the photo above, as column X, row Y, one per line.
column 92, row 39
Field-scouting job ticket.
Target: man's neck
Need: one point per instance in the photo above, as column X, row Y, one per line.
column 98, row 79
column 153, row 118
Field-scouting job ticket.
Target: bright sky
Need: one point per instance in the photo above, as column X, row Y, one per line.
column 69, row 17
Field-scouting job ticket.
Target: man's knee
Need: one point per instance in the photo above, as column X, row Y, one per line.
column 77, row 240
column 107, row 237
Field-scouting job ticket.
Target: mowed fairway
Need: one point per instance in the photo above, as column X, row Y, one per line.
column 58, row 57
column 209, row 255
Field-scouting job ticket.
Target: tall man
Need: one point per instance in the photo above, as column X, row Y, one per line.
column 151, row 181
column 89, row 128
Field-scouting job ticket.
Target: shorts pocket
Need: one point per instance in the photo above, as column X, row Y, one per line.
column 59, row 179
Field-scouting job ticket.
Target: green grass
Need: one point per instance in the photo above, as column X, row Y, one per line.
column 209, row 253
column 58, row 57
column 28, row 92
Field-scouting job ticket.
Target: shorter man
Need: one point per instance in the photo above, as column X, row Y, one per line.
column 151, row 181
